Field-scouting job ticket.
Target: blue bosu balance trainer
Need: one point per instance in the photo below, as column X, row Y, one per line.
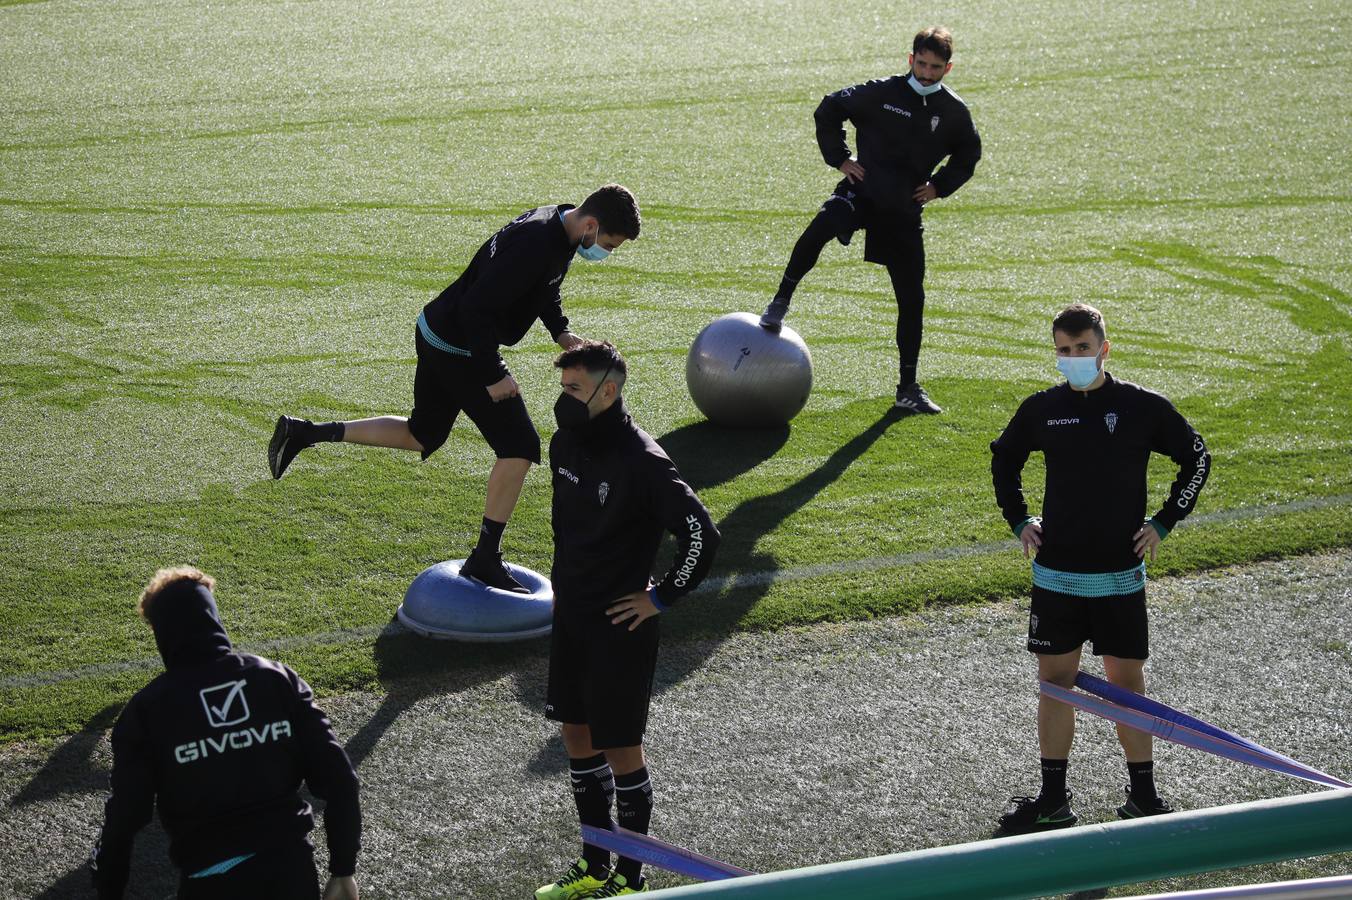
column 441, row 604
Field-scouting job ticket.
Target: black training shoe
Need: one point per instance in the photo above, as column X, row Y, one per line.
column 487, row 568
column 914, row 399
column 1029, row 814
column 1157, row 806
column 291, row 436
column 773, row 319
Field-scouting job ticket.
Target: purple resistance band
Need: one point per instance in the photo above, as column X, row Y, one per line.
column 1132, row 700
column 650, row 850
column 1179, row 733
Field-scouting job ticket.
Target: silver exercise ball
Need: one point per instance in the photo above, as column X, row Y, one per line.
column 740, row 374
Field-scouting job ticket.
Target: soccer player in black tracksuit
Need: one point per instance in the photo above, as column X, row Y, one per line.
column 1096, row 435
column 220, row 743
column 904, row 126
column 513, row 280
column 615, row 492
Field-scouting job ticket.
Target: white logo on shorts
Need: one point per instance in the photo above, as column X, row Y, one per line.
column 603, row 491
column 1032, row 624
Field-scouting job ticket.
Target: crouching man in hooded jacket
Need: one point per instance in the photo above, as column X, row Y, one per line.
column 221, row 741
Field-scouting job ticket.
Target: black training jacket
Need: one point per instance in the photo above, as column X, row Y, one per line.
column 1096, row 445
column 615, row 492
column 902, row 137
column 220, row 743
column 512, row 281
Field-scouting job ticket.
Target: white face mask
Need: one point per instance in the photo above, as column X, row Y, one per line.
column 923, row 90
column 1080, row 371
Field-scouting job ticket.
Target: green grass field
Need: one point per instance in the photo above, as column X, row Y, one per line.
column 212, row 214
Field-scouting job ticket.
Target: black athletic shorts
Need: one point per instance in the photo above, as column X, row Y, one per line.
column 443, row 385
column 601, row 675
column 278, row 874
column 890, row 237
column 1060, row 623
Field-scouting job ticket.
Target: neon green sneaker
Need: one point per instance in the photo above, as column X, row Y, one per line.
column 617, row 886
column 1028, row 814
column 574, row 884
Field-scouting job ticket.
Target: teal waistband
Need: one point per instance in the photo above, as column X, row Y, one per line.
column 221, row 867
column 1090, row 584
column 431, row 337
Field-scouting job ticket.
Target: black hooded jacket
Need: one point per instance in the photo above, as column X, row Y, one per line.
column 221, row 742
column 513, row 280
column 615, row 492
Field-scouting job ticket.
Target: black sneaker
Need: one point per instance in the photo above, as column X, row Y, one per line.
column 291, row 436
column 773, row 319
column 1157, row 806
column 1029, row 814
column 914, row 399
column 487, row 569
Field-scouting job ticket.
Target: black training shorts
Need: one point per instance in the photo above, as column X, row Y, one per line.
column 1060, row 623
column 890, row 236
column 601, row 675
column 446, row 383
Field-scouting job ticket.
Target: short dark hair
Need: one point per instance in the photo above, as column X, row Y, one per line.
column 615, row 209
column 936, row 39
column 1079, row 318
column 596, row 357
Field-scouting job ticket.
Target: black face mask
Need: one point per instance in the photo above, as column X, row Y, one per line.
column 571, row 412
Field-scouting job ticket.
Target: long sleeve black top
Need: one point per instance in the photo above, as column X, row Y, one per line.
column 1097, row 446
column 615, row 492
column 901, row 138
column 513, row 280
column 221, row 742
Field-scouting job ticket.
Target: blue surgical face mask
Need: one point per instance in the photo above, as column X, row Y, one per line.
column 594, row 253
column 923, row 90
column 1080, row 371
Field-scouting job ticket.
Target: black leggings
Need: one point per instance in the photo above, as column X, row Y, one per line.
column 906, row 270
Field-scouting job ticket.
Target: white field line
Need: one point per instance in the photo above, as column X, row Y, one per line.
column 710, row 586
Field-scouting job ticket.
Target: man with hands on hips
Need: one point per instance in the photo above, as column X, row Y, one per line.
column 615, row 493
column 1096, row 435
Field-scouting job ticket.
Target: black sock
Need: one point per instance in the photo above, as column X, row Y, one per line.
column 786, row 288
column 331, row 432
column 490, row 536
column 1142, row 775
column 1053, row 782
column 907, row 376
column 633, row 810
column 593, row 788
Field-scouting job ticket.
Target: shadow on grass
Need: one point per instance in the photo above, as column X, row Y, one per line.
column 153, row 877
column 71, row 770
column 750, row 520
column 413, row 668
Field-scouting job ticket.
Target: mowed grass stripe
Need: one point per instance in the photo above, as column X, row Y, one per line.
column 712, row 585
column 232, row 221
